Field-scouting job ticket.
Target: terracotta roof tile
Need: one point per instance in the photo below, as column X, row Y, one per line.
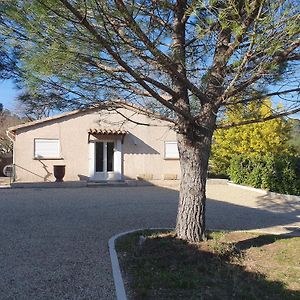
column 105, row 131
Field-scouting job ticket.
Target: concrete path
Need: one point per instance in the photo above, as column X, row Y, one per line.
column 53, row 242
column 4, row 181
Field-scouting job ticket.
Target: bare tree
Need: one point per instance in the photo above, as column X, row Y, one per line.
column 188, row 60
column 42, row 103
column 7, row 119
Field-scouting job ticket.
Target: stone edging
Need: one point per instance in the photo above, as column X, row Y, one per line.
column 265, row 192
column 249, row 188
column 4, row 187
column 117, row 275
column 118, row 280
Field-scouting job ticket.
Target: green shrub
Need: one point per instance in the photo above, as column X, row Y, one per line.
column 238, row 169
column 280, row 173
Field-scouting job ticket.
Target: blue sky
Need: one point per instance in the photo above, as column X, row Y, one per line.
column 8, row 93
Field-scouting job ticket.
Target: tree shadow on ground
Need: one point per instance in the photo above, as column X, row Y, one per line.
column 260, row 241
column 229, row 216
column 168, row 268
column 220, row 214
column 278, row 202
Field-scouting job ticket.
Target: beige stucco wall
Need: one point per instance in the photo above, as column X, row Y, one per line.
column 143, row 146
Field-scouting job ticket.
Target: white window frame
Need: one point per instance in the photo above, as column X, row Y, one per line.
column 168, row 155
column 117, row 173
column 56, row 155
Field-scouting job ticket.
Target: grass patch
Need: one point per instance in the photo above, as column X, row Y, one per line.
column 229, row 265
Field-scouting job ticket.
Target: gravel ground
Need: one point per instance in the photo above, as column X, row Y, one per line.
column 54, row 241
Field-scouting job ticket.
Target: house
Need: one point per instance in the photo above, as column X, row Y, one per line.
column 96, row 144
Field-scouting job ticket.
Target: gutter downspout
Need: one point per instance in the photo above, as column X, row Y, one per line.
column 12, row 138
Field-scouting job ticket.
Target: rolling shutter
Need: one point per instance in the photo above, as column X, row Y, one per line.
column 171, row 150
column 46, row 148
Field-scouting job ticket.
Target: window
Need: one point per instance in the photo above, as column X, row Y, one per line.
column 46, row 148
column 171, row 150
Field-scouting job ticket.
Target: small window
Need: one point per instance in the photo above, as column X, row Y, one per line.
column 46, row 148
column 171, row 150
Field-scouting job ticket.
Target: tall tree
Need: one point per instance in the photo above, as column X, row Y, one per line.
column 7, row 119
column 8, row 60
column 185, row 59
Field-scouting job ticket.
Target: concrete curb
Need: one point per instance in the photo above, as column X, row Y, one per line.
column 91, row 184
column 284, row 196
column 266, row 192
column 261, row 231
column 48, row 185
column 118, row 280
column 217, row 181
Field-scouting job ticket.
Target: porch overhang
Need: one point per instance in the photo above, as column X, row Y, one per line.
column 104, row 132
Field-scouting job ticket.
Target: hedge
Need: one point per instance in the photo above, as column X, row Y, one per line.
column 280, row 173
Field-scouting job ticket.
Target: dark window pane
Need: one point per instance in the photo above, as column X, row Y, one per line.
column 99, row 157
column 110, row 156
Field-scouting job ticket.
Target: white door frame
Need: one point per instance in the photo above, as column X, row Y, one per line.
column 116, row 174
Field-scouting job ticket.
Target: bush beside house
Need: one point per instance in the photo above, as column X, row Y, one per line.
column 277, row 173
column 259, row 155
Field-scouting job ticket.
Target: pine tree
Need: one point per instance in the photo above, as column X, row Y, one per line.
column 186, row 59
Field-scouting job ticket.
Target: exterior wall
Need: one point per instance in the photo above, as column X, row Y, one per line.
column 142, row 148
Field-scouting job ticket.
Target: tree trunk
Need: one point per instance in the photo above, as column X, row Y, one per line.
column 194, row 165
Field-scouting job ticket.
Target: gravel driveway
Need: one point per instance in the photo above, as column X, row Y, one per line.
column 54, row 241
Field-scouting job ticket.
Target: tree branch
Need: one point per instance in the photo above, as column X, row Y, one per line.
column 254, row 121
column 119, row 60
column 166, row 62
column 264, row 96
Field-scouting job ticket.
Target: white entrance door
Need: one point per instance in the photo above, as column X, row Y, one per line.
column 105, row 160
